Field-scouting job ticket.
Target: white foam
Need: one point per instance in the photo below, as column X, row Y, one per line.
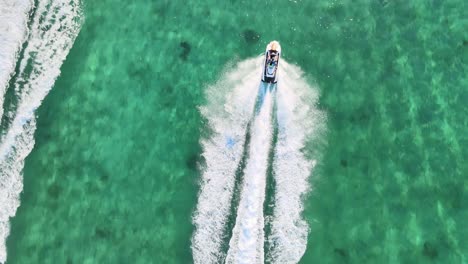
column 229, row 107
column 52, row 33
column 246, row 245
column 13, row 32
column 299, row 120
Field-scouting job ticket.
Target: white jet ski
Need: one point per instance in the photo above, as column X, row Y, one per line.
column 270, row 65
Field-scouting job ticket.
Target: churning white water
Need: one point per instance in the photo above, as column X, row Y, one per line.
column 246, row 245
column 299, row 121
column 229, row 108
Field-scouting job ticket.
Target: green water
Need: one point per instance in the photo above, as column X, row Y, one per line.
column 113, row 176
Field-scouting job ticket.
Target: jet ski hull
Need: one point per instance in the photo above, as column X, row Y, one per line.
column 271, row 62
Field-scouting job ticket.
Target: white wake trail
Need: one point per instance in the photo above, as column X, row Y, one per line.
column 230, row 104
column 246, row 245
column 299, row 121
column 13, row 32
column 51, row 35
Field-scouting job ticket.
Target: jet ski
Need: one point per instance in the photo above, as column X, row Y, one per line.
column 270, row 64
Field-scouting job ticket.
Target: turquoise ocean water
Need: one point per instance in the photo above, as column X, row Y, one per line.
column 114, row 175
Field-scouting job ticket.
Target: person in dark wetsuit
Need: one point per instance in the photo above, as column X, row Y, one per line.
column 272, row 58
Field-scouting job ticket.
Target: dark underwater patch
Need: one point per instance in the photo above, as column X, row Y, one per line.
column 54, row 190
column 101, row 232
column 250, row 36
column 429, row 250
column 192, row 162
column 186, row 48
column 341, row 252
column 344, row 163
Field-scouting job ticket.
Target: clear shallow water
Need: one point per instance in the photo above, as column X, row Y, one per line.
column 113, row 175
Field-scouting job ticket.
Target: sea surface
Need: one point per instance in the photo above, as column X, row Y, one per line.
column 139, row 132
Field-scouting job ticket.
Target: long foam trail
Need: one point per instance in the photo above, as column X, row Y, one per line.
column 246, row 245
column 52, row 32
column 229, row 108
column 13, row 32
column 299, row 121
